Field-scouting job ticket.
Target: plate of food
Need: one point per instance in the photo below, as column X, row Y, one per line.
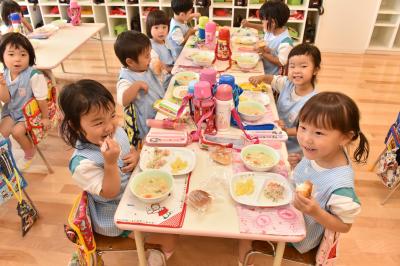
column 202, row 58
column 246, row 40
column 185, row 77
column 245, row 32
column 254, row 96
column 250, row 87
column 260, row 189
column 174, row 160
column 179, row 92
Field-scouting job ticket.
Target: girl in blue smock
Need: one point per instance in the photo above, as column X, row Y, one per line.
column 294, row 90
column 103, row 160
column 162, row 60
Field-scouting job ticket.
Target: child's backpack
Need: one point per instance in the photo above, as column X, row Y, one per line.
column 389, row 161
column 33, row 115
column 79, row 231
column 327, row 251
column 12, row 184
column 130, row 126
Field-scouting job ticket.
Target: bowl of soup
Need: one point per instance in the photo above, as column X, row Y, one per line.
column 247, row 61
column 152, row 186
column 184, row 78
column 251, row 110
column 259, row 157
column 203, row 58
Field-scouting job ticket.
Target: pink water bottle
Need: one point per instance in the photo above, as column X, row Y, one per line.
column 210, row 75
column 224, row 105
column 211, row 28
column 74, row 12
column 203, row 106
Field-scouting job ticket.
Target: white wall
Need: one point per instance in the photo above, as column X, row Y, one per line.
column 346, row 25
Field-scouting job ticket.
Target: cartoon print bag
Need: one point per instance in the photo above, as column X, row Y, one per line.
column 8, row 170
column 388, row 165
column 33, row 115
column 130, row 125
column 11, row 184
column 327, row 251
column 79, row 231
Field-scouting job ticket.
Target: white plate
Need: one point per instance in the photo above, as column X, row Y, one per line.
column 257, row 198
column 260, row 97
column 184, row 154
column 178, row 92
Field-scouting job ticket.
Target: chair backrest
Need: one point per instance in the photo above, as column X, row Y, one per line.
column 327, row 251
column 33, row 115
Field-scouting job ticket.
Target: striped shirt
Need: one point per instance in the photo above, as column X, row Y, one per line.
column 87, row 167
column 333, row 190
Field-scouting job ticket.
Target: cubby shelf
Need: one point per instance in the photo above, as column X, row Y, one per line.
column 385, row 34
column 135, row 12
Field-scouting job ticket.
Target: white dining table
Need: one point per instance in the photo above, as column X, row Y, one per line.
column 221, row 221
column 62, row 43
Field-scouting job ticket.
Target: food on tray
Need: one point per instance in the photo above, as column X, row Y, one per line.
column 183, row 78
column 248, row 86
column 221, row 155
column 259, row 159
column 152, row 187
column 246, row 40
column 178, row 165
column 180, row 92
column 157, row 160
column 274, row 191
column 244, row 186
column 249, row 110
column 199, row 199
column 305, row 188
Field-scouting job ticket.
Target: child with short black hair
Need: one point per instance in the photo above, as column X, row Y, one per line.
column 278, row 43
column 179, row 31
column 8, row 7
column 103, row 160
column 138, row 86
column 19, row 83
column 162, row 59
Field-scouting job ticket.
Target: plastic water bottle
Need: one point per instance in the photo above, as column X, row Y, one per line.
column 15, row 19
column 210, row 30
column 224, row 105
column 202, row 25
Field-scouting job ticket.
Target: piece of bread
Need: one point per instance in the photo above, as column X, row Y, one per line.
column 221, row 155
column 199, row 199
column 260, row 44
column 305, row 188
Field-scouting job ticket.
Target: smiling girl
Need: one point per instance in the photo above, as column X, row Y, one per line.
column 295, row 89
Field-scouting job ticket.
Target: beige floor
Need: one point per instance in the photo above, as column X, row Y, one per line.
column 371, row 80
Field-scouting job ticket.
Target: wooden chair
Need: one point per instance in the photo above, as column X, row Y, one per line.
column 34, row 129
column 90, row 246
column 322, row 255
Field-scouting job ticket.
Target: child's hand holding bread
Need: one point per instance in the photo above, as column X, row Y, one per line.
column 303, row 200
column 305, row 189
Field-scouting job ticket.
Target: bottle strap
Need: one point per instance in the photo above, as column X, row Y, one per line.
column 236, row 117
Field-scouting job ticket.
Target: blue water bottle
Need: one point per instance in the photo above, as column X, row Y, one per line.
column 15, row 19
